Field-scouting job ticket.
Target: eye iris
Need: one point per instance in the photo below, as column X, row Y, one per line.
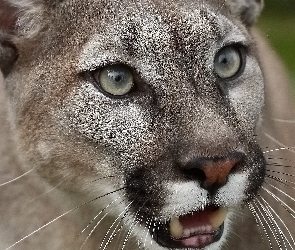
column 116, row 80
column 228, row 62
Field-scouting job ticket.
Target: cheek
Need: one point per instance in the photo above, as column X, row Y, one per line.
column 123, row 128
column 247, row 96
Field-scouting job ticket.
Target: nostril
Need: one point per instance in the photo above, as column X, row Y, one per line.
column 194, row 174
column 212, row 173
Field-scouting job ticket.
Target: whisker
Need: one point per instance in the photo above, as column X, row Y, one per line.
column 291, row 149
column 281, row 202
column 131, row 228
column 17, row 178
column 113, row 233
column 283, row 223
column 91, row 232
column 284, row 193
column 96, row 180
column 60, row 216
column 282, row 181
column 283, row 120
column 100, row 214
column 277, row 233
column 278, row 149
column 147, row 227
column 45, row 193
column 274, row 164
column 257, row 213
column 102, row 178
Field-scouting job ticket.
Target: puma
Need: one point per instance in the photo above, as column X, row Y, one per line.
column 143, row 125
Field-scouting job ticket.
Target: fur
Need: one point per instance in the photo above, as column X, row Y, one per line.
column 114, row 170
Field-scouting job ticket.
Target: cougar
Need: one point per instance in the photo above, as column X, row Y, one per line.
column 143, row 125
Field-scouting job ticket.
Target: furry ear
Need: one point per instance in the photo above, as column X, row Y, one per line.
column 8, row 52
column 20, row 19
column 28, row 16
column 246, row 10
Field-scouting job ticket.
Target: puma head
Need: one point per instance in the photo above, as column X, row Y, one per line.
column 157, row 101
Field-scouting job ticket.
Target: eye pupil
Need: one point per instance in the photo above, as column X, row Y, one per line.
column 224, row 60
column 118, row 78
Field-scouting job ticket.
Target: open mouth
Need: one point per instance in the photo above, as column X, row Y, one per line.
column 193, row 230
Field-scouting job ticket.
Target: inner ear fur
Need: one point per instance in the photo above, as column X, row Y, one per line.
column 246, row 10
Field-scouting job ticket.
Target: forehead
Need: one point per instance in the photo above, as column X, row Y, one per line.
column 192, row 16
column 98, row 32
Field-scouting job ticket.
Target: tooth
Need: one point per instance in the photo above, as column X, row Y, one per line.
column 176, row 228
column 208, row 228
column 186, row 232
column 217, row 217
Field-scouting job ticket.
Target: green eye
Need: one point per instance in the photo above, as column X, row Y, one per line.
column 115, row 80
column 228, row 62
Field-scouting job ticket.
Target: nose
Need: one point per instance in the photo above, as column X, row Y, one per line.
column 213, row 172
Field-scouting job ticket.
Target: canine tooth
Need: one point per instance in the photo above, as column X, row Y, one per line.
column 217, row 217
column 176, row 228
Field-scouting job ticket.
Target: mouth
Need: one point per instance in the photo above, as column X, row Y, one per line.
column 194, row 230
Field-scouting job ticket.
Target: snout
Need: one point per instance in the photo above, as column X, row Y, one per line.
column 212, row 173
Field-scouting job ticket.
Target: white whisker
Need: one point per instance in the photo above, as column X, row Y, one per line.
column 17, row 178
column 134, row 222
column 283, row 223
column 276, row 150
column 253, row 208
column 291, row 149
column 277, row 232
column 269, row 222
column 281, row 181
column 58, row 217
column 283, row 120
column 106, row 207
column 113, row 233
column 47, row 192
column 284, row 204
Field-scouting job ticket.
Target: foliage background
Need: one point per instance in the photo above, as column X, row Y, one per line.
column 278, row 23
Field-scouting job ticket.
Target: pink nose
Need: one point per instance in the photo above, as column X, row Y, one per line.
column 213, row 172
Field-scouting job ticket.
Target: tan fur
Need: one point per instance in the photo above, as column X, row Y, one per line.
column 30, row 202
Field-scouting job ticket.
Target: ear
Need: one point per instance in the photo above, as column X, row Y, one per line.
column 20, row 19
column 246, row 10
column 8, row 52
column 27, row 17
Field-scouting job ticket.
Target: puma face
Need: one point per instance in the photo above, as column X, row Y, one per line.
column 151, row 103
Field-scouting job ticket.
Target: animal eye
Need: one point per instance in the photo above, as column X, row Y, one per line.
column 228, row 62
column 116, row 80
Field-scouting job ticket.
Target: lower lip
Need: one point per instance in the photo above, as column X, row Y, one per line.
column 193, row 241
column 203, row 240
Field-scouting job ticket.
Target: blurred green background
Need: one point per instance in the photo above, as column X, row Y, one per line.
column 278, row 23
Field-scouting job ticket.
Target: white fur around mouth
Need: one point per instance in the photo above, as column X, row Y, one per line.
column 207, row 224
